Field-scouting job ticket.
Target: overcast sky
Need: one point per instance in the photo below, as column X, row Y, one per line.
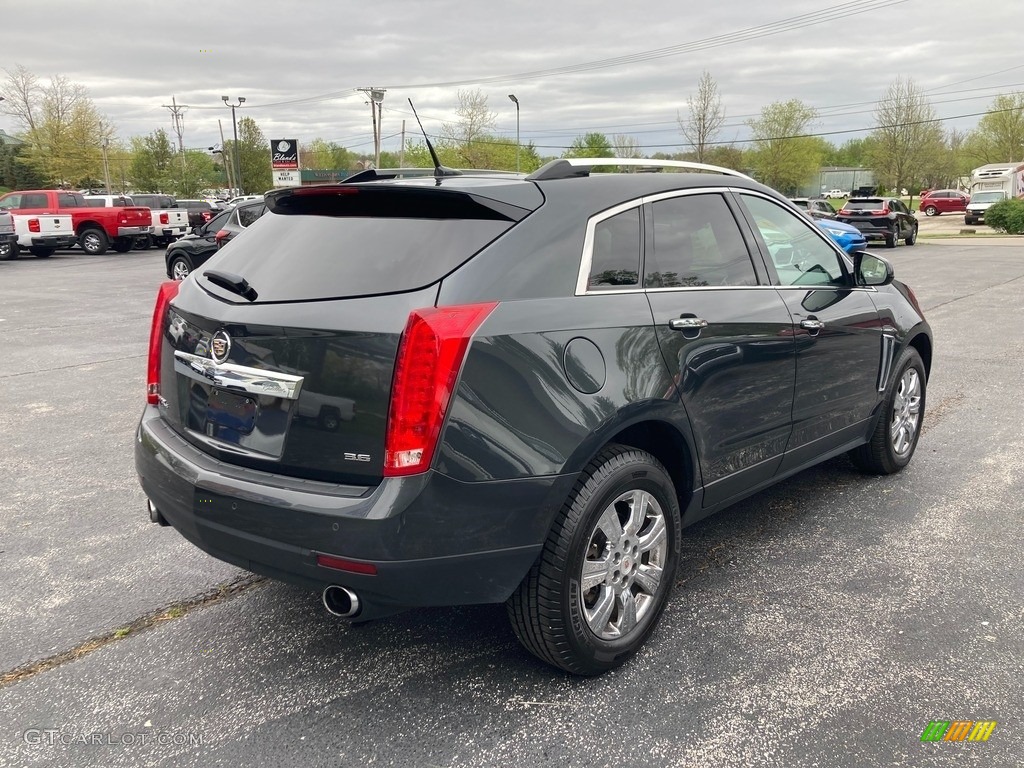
column 298, row 64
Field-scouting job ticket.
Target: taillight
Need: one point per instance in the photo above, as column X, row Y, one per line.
column 430, row 357
column 207, row 215
column 843, row 212
column 33, row 225
column 165, row 219
column 164, row 295
column 122, row 218
column 885, row 210
column 221, row 236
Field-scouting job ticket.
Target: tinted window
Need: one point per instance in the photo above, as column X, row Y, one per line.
column 867, row 204
column 320, row 257
column 34, row 200
column 801, row 256
column 616, row 252
column 696, row 243
column 249, row 213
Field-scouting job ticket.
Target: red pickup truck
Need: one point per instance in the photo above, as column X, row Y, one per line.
column 96, row 228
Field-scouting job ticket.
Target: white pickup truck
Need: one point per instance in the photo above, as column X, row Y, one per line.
column 40, row 234
column 169, row 221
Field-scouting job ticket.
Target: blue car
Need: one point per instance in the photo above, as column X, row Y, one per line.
column 848, row 236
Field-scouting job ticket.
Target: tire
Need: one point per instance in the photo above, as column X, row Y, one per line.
column 93, row 241
column 330, row 419
column 912, row 237
column 894, row 440
column 589, row 630
column 931, row 210
column 9, row 251
column 142, row 242
column 123, row 244
column 41, row 251
column 180, row 267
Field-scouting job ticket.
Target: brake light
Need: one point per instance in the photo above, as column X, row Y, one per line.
column 164, row 296
column 843, row 212
column 221, row 237
column 122, row 217
column 430, row 357
column 33, row 225
column 165, row 219
column 885, row 210
column 207, row 215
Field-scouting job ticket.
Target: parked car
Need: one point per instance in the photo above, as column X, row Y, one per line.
column 939, row 201
column 8, row 236
column 881, row 218
column 555, row 373
column 96, row 227
column 40, row 234
column 981, row 202
column 241, row 199
column 833, row 194
column 816, row 209
column 191, row 251
column 199, row 211
column 847, row 236
column 240, row 216
column 169, row 221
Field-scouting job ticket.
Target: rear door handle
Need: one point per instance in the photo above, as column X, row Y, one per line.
column 812, row 324
column 687, row 323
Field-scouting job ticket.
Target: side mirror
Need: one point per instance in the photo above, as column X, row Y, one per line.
column 869, row 269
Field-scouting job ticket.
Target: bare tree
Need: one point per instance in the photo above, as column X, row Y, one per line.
column 907, row 136
column 475, row 122
column 626, row 146
column 706, row 116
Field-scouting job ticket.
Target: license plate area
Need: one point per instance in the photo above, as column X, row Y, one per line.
column 228, row 413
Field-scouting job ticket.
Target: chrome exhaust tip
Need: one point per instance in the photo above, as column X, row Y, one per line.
column 154, row 514
column 340, row 601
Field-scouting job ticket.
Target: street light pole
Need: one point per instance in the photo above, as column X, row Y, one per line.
column 516, row 102
column 234, row 127
column 106, row 167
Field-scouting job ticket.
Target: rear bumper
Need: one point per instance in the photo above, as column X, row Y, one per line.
column 49, row 241
column 434, row 541
column 129, row 231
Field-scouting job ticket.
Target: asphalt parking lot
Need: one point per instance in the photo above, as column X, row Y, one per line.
column 825, row 622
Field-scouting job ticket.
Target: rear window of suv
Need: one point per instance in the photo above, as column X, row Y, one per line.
column 866, row 204
column 360, row 245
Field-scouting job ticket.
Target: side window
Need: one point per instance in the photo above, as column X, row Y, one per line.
column 29, row 200
column 696, row 243
column 11, row 202
column 800, row 255
column 64, row 200
column 616, row 251
column 248, row 215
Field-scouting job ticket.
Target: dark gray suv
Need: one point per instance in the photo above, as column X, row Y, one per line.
column 536, row 383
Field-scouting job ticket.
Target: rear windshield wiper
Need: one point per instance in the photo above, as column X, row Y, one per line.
column 232, row 282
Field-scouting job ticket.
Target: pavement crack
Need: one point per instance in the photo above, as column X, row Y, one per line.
column 75, row 365
column 929, row 310
column 219, row 594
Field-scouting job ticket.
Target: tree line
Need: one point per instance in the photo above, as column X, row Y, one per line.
column 68, row 142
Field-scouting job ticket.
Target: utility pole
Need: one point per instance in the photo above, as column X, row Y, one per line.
column 106, row 167
column 376, row 99
column 178, row 121
column 401, row 152
column 224, row 159
column 234, row 126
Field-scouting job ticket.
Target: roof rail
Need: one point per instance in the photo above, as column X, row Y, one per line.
column 574, row 167
column 380, row 174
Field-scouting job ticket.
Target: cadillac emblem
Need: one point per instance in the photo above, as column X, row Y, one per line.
column 220, row 347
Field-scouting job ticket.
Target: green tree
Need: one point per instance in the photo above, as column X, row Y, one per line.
column 253, row 157
column 999, row 137
column 63, row 129
column 152, row 165
column 783, row 157
column 907, row 139
column 15, row 172
column 590, row 145
column 326, row 155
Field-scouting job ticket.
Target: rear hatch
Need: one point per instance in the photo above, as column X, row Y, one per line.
column 867, row 213
column 306, row 309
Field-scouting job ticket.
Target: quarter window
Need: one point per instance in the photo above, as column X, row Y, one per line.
column 800, row 255
column 696, row 243
column 616, row 251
